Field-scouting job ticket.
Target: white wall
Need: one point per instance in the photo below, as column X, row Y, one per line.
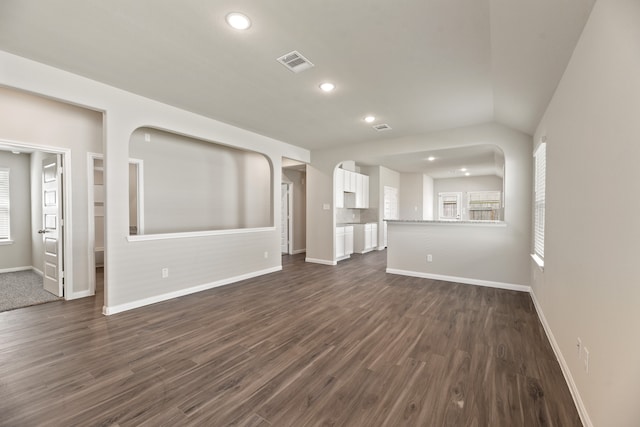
column 428, row 194
column 514, row 243
column 133, row 267
column 26, row 118
column 192, row 185
column 411, row 196
column 589, row 287
column 17, row 254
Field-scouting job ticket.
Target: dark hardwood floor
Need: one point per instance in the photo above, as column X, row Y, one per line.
column 312, row 345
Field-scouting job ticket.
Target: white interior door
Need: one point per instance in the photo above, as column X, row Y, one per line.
column 52, row 225
column 284, row 219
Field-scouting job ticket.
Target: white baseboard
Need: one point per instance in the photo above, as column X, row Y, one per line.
column 299, row 251
column 14, row 269
column 465, row 280
column 109, row 310
column 582, row 411
column 320, row 261
column 38, row 272
column 76, row 295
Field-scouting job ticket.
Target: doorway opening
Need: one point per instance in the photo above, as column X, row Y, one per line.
column 34, row 261
column 96, row 222
column 293, row 197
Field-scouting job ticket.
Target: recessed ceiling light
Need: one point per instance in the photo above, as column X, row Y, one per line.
column 238, row 21
column 370, row 119
column 327, row 87
column 467, row 174
column 463, row 169
column 431, row 158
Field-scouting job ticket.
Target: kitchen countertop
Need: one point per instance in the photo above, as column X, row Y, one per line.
column 428, row 222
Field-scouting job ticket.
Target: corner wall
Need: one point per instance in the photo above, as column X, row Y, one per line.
column 589, row 287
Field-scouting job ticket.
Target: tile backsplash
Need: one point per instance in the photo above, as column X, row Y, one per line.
column 358, row 216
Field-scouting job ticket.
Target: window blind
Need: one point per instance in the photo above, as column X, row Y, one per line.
column 539, row 203
column 4, row 204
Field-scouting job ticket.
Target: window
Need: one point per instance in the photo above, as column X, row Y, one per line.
column 4, row 204
column 540, row 158
column 449, row 206
column 484, row 205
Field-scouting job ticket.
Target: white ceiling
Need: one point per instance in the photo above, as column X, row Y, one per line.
column 477, row 160
column 418, row 65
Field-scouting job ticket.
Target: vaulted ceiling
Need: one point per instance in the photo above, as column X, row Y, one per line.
column 417, row 65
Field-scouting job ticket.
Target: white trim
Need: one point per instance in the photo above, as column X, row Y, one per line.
column 573, row 388
column 14, row 269
column 188, row 234
column 465, row 280
column 106, row 310
column 140, row 185
column 290, row 214
column 91, row 223
column 465, row 223
column 4, row 242
column 91, row 230
column 79, row 294
column 539, row 261
column 37, row 271
column 320, row 261
column 299, row 251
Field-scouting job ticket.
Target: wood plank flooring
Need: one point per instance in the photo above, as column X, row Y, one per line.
column 312, row 345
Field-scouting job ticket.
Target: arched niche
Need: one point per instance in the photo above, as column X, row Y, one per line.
column 181, row 184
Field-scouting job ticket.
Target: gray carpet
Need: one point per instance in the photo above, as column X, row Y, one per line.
column 22, row 289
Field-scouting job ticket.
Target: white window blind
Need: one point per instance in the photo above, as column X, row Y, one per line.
column 540, row 157
column 4, row 204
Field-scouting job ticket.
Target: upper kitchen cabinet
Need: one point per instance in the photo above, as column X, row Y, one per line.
column 352, row 189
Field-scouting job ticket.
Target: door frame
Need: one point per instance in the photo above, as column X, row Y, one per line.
column 289, row 215
column 67, row 193
column 91, row 222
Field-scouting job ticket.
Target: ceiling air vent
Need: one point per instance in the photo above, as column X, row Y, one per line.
column 382, row 127
column 295, row 61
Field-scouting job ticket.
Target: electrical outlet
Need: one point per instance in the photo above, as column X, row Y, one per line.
column 586, row 359
column 429, row 258
column 579, row 347
column 147, row 137
column 266, row 255
column 165, row 273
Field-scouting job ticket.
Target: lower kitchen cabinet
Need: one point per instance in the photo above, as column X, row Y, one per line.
column 365, row 237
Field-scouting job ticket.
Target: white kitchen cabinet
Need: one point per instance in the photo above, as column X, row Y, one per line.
column 374, row 236
column 339, row 242
column 350, row 181
column 359, row 197
column 359, row 191
column 339, row 188
column 344, row 242
column 348, row 240
column 365, row 237
column 362, row 191
column 365, row 190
